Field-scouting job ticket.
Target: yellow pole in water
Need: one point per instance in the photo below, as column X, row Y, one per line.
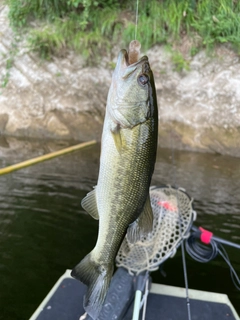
column 45, row 157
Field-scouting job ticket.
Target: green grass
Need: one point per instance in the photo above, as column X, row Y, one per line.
column 93, row 27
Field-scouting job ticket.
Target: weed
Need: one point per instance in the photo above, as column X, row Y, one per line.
column 194, row 50
column 9, row 63
column 91, row 27
column 179, row 62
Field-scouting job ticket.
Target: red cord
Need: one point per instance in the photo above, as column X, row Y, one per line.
column 206, row 235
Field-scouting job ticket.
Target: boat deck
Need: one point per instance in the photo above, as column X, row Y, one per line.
column 64, row 302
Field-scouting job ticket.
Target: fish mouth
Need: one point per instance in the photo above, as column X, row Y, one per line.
column 125, row 68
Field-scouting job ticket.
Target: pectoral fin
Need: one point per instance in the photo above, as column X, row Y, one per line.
column 116, row 133
column 118, row 137
column 89, row 204
column 143, row 225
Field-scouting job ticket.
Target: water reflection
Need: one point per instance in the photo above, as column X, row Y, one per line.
column 44, row 230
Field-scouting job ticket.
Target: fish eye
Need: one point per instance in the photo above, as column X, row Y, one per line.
column 143, row 79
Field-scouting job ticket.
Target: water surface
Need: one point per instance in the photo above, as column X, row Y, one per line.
column 44, row 230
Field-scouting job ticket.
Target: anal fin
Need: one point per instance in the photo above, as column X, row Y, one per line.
column 89, row 204
column 143, row 225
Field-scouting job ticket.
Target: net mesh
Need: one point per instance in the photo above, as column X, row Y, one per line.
column 173, row 218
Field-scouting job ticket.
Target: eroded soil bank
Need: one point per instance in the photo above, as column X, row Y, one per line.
column 199, row 109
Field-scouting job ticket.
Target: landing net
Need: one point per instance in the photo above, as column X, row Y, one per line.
column 173, row 218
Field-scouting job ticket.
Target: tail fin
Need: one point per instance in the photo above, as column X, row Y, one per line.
column 97, row 277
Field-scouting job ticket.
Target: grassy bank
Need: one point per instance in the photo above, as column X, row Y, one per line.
column 93, row 27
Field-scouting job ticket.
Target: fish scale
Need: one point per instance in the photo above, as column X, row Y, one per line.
column 122, row 201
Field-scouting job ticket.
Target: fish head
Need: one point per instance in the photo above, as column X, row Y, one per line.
column 132, row 91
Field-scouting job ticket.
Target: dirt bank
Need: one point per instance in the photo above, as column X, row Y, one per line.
column 199, row 109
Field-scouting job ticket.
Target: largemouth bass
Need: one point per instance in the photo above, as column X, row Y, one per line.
column 128, row 152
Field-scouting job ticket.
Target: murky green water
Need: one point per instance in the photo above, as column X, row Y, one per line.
column 44, row 231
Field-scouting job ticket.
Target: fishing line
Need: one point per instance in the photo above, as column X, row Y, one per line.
column 206, row 251
column 136, row 22
column 173, row 178
column 184, row 266
column 180, row 230
column 234, row 276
